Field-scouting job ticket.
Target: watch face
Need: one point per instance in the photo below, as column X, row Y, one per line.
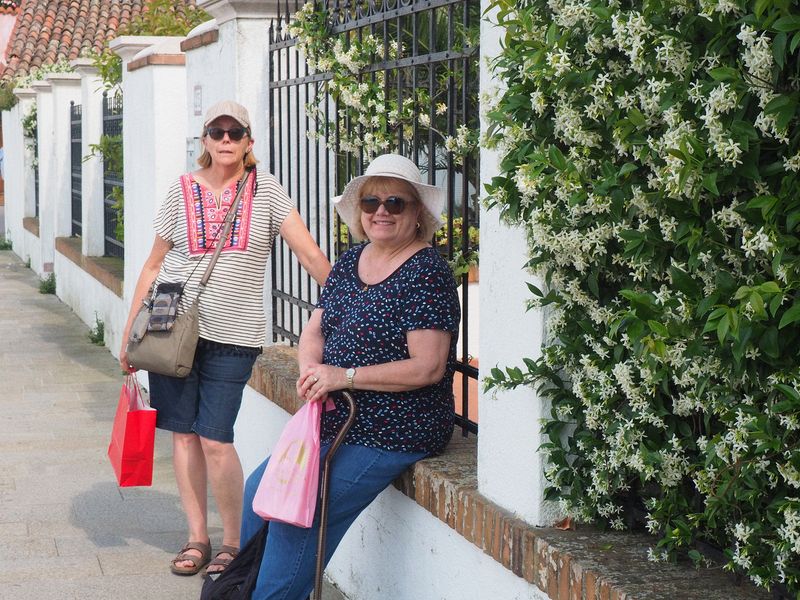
column 350, row 373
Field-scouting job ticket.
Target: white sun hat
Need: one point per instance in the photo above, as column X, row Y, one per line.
column 397, row 167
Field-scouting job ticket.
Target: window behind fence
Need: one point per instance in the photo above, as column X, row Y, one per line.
column 399, row 76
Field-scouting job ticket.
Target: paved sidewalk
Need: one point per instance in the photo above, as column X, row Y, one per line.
column 67, row 532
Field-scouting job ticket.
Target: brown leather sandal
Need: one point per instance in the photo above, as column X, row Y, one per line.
column 221, row 562
column 198, row 562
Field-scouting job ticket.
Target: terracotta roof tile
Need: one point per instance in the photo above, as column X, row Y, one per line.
column 47, row 31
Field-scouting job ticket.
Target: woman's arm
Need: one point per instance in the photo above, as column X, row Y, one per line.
column 309, row 348
column 294, row 231
column 146, row 278
column 428, row 350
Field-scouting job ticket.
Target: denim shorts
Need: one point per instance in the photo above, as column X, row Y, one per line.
column 208, row 400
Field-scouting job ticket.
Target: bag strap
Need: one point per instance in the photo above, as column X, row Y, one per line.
column 228, row 223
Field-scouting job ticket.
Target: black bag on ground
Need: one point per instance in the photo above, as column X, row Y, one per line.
column 238, row 580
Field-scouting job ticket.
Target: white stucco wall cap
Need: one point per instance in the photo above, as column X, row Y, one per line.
column 24, row 93
column 41, row 85
column 64, row 78
column 165, row 45
column 127, row 45
column 202, row 28
column 227, row 10
column 83, row 65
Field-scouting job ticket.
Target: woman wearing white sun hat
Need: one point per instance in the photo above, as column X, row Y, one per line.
column 385, row 328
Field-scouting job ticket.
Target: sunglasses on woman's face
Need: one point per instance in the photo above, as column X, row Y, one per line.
column 234, row 133
column 394, row 205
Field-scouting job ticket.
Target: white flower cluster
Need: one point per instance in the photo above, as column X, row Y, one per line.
column 757, row 57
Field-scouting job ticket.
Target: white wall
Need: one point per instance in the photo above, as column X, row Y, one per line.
column 153, row 134
column 16, row 167
column 396, row 549
column 510, row 467
column 89, row 299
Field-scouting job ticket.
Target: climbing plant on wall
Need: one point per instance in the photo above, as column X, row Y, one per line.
column 651, row 151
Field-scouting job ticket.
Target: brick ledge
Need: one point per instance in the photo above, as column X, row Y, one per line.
column 31, row 224
column 109, row 271
column 198, row 41
column 586, row 564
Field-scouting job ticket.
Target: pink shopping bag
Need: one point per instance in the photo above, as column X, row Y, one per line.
column 288, row 489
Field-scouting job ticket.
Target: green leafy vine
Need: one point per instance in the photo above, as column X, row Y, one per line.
column 651, row 152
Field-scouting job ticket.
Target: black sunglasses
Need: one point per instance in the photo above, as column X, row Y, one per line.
column 234, row 133
column 394, row 205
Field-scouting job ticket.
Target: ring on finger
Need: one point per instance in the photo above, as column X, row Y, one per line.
column 316, row 379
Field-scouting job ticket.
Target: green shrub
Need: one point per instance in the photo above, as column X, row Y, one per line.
column 651, row 151
column 48, row 284
column 97, row 335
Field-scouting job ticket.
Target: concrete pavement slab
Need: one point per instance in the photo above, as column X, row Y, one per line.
column 67, row 531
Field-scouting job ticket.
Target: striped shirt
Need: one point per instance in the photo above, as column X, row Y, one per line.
column 232, row 305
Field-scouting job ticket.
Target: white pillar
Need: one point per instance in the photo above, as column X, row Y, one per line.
column 42, row 259
column 510, row 468
column 153, row 137
column 240, row 59
column 65, row 88
column 93, row 238
column 18, row 169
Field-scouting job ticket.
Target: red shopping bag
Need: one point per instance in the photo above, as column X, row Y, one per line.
column 133, row 436
column 288, row 489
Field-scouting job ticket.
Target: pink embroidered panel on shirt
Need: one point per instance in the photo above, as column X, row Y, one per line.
column 204, row 220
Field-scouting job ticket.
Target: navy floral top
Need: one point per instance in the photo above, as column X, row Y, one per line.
column 367, row 325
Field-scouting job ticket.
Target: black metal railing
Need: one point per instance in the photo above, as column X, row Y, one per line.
column 76, row 129
column 429, row 52
column 112, row 180
column 35, row 145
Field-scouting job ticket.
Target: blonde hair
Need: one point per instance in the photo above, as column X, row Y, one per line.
column 379, row 183
column 204, row 160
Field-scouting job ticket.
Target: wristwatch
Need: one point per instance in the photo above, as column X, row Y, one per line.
column 350, row 373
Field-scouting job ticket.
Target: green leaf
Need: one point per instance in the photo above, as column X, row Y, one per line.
column 636, row 117
column 710, row 183
column 591, row 281
column 757, row 302
column 769, row 343
column 769, row 287
column 790, row 316
column 724, row 74
column 788, row 391
column 535, row 290
column 779, row 48
column 627, row 168
column 557, row 158
column 722, row 329
column 658, row 328
column 788, row 23
column 795, row 43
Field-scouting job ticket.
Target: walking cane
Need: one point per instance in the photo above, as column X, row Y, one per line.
column 323, row 515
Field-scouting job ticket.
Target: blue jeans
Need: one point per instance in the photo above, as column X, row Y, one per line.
column 358, row 475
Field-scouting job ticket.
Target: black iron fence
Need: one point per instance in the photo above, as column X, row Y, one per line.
column 35, row 144
column 112, row 179
column 426, row 69
column 76, row 129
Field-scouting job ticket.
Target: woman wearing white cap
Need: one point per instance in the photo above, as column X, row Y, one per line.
column 201, row 409
column 385, row 327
